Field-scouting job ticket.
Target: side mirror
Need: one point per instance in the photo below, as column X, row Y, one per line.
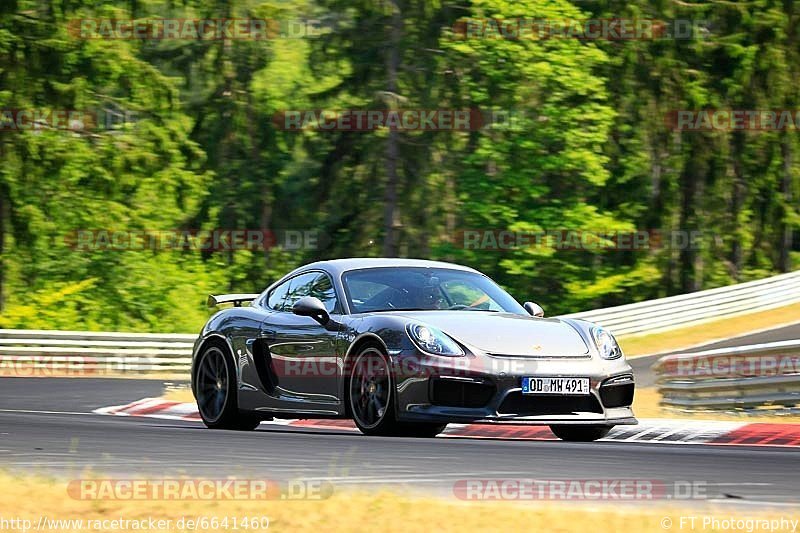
column 310, row 306
column 534, row 309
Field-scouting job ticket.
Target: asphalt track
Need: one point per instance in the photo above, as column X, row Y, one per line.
column 46, row 426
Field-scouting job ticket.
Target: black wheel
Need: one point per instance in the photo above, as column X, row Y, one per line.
column 370, row 393
column 371, row 396
column 215, row 391
column 580, row 433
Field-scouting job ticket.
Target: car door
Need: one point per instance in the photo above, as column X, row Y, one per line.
column 303, row 352
column 257, row 377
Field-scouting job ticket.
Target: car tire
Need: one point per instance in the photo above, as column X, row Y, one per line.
column 215, row 391
column 370, row 393
column 371, row 380
column 580, row 433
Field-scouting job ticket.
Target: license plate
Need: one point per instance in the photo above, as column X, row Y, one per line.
column 566, row 386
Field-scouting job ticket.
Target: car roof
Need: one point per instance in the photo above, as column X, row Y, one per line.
column 338, row 266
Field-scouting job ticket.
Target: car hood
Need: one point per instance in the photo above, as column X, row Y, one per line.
column 507, row 333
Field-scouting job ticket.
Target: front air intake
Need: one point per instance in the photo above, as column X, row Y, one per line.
column 617, row 391
column 520, row 404
column 460, row 393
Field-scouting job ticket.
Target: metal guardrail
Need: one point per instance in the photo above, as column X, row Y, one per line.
column 752, row 377
column 695, row 308
column 113, row 352
column 42, row 352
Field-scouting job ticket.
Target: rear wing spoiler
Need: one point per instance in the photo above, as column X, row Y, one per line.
column 235, row 299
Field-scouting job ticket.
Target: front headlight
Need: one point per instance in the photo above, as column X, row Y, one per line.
column 606, row 343
column 432, row 340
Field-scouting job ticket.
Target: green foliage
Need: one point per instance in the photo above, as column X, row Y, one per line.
column 586, row 149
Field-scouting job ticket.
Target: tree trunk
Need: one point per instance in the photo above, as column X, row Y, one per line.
column 785, row 229
column 785, row 236
column 390, row 245
column 689, row 179
column 390, row 215
column 5, row 198
column 738, row 195
column 2, row 244
column 265, row 218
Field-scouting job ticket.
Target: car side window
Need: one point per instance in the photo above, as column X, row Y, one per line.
column 322, row 288
column 299, row 286
column 316, row 284
column 278, row 295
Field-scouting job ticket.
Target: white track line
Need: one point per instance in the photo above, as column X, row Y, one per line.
column 28, row 411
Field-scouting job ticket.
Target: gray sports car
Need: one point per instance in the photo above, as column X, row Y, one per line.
column 404, row 347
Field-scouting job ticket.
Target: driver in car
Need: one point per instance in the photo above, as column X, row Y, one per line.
column 430, row 296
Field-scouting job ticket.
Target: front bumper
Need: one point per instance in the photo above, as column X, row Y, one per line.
column 486, row 388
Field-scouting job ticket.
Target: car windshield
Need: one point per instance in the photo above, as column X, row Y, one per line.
column 424, row 289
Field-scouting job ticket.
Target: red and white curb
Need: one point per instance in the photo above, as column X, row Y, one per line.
column 655, row 430
column 154, row 408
